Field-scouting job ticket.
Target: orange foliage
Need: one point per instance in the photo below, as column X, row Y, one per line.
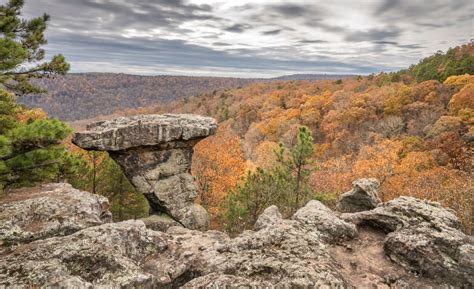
column 217, row 165
column 405, row 134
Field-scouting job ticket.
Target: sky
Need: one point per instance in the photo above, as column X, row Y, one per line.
column 255, row 38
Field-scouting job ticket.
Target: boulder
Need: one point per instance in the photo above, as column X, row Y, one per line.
column 325, row 221
column 364, row 196
column 110, row 255
column 159, row 222
column 155, row 153
column 423, row 237
column 50, row 210
column 269, row 217
column 315, row 248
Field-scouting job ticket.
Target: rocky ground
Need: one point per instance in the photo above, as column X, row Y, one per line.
column 56, row 236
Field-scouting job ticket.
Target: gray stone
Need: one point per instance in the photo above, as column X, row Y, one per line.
column 155, row 153
column 325, row 221
column 423, row 237
column 144, row 130
column 364, row 196
column 159, row 222
column 269, row 217
column 50, row 210
column 110, row 255
column 283, row 253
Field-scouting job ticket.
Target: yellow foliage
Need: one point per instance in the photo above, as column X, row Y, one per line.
column 218, row 165
column 463, row 99
column 459, row 80
column 31, row 114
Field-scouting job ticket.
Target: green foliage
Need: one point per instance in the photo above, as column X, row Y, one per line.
column 284, row 185
column 126, row 202
column 440, row 66
column 30, row 149
column 101, row 175
column 22, row 57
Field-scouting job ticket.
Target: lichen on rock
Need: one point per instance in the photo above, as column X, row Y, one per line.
column 50, row 210
column 309, row 250
column 155, row 153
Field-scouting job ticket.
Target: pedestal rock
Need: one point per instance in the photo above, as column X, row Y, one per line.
column 155, row 153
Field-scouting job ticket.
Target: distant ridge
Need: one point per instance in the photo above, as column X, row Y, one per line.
column 87, row 95
column 312, row 76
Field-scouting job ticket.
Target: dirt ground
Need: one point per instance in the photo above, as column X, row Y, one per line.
column 365, row 265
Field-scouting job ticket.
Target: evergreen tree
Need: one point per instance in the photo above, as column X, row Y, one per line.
column 126, row 202
column 30, row 148
column 284, row 185
column 21, row 55
column 297, row 166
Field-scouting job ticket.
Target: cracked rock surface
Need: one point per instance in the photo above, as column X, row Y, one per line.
column 403, row 243
column 50, row 210
column 155, row 153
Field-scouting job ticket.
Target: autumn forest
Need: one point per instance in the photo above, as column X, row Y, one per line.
column 412, row 130
column 281, row 141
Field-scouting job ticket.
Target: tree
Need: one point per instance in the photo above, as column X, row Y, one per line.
column 126, row 202
column 20, row 50
column 297, row 163
column 30, row 145
column 217, row 165
column 284, row 185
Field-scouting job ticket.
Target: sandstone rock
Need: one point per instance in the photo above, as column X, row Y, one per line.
column 144, row 130
column 405, row 212
column 159, row 222
column 155, row 153
column 49, row 210
column 269, row 217
column 110, row 255
column 364, row 196
column 325, row 221
column 283, row 253
column 423, row 237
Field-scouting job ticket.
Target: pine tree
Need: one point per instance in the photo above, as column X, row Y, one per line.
column 284, row 185
column 30, row 148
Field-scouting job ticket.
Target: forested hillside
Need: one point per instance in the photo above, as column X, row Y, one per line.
column 415, row 136
column 87, row 95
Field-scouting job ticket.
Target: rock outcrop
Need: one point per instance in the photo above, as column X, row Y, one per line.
column 155, row 153
column 315, row 248
column 423, row 237
column 364, row 196
column 50, row 210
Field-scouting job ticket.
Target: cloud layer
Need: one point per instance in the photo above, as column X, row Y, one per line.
column 251, row 38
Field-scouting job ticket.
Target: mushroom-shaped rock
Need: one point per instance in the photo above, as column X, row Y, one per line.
column 155, row 153
column 364, row 196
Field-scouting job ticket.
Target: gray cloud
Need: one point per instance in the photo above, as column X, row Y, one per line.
column 272, row 32
column 181, row 37
column 374, row 34
column 290, row 10
column 307, row 41
column 238, row 28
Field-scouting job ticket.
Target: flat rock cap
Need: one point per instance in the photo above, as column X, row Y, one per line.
column 144, row 130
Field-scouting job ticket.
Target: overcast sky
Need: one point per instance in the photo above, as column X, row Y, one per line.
column 251, row 38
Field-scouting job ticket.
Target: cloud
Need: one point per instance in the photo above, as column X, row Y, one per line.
column 272, row 32
column 374, row 34
column 237, row 28
column 189, row 37
column 291, row 10
column 221, row 44
column 307, row 41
